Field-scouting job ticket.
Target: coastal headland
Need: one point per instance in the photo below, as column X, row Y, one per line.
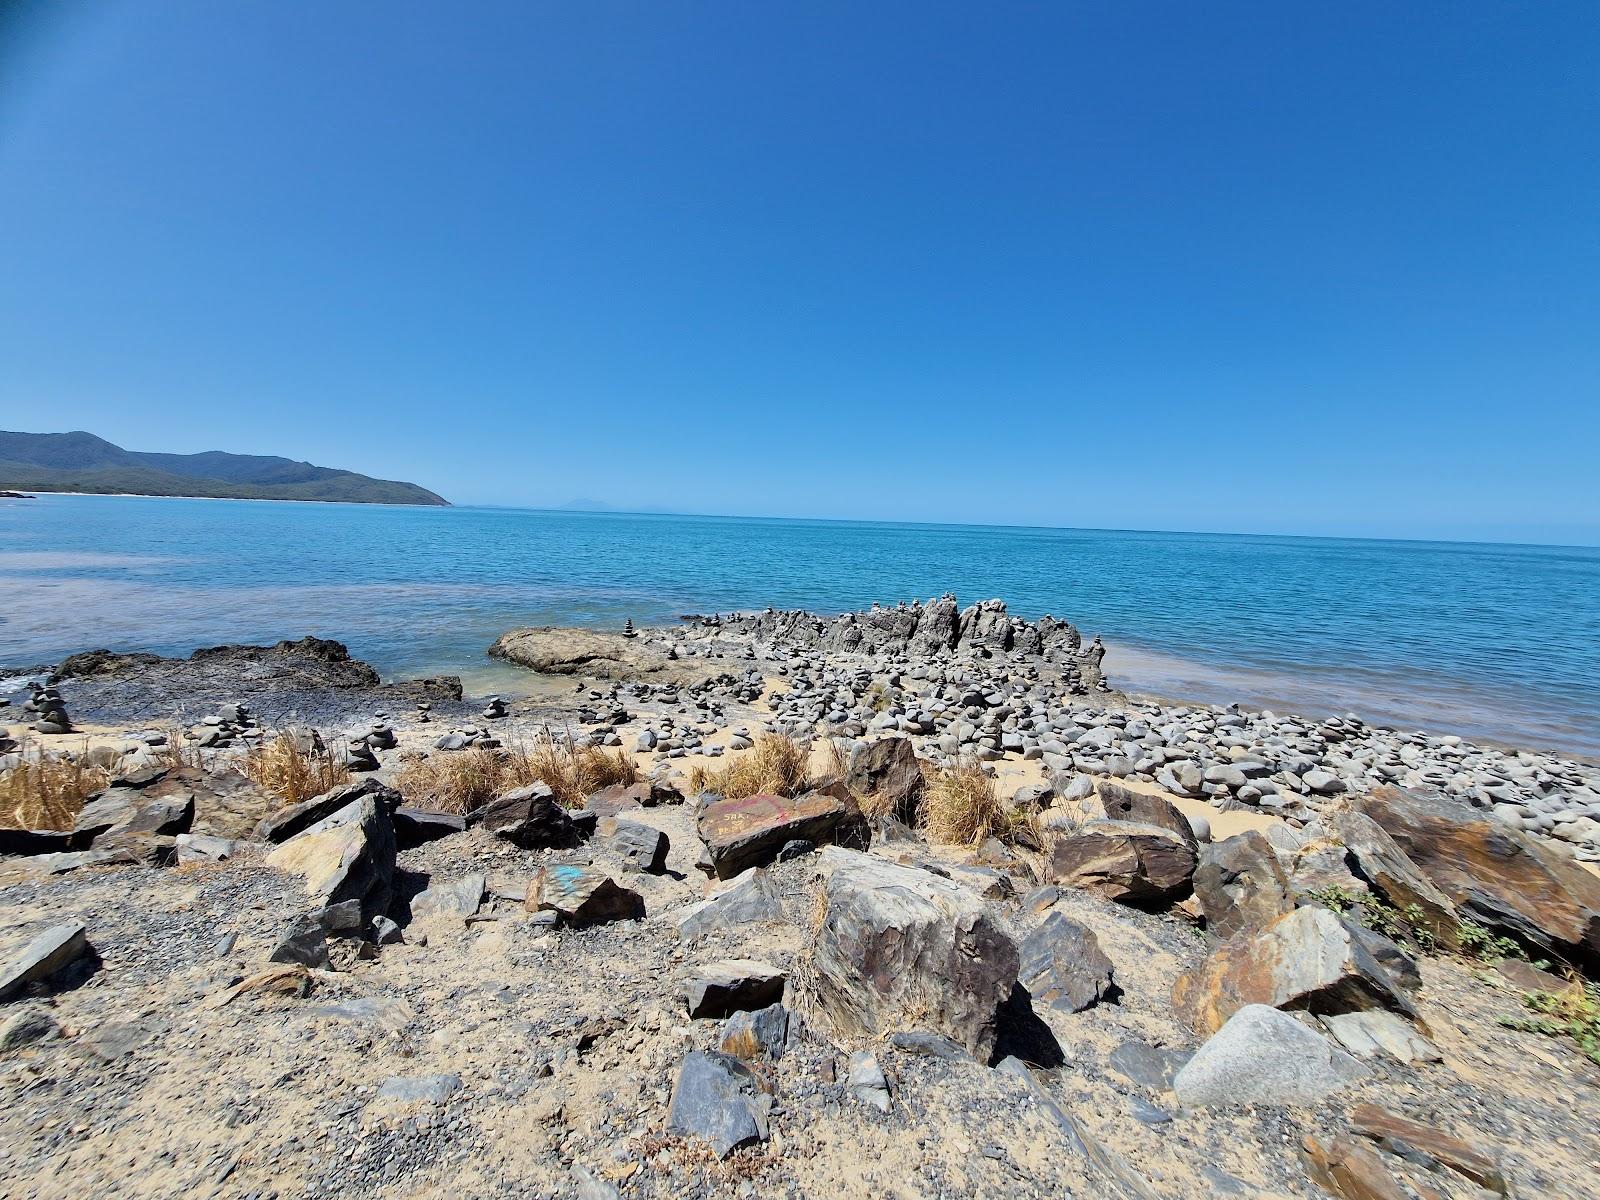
column 908, row 901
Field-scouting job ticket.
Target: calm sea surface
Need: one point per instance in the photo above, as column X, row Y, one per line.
column 1484, row 640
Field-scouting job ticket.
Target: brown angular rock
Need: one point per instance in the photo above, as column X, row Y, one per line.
column 1498, row 877
column 1399, row 1133
column 900, row 947
column 1350, row 1171
column 1239, row 884
column 582, row 895
column 1387, row 868
column 888, row 771
column 749, row 831
column 530, row 817
column 1308, row 959
column 1120, row 803
column 1133, row 864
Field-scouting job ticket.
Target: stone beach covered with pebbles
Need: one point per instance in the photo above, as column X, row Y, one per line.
column 906, row 902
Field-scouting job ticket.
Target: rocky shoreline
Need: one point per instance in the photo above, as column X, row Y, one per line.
column 1176, row 951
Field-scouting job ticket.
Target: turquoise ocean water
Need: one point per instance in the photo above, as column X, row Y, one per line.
column 1488, row 641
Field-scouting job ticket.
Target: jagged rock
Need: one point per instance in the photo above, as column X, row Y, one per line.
column 1118, row 803
column 749, row 832
column 732, row 985
column 642, row 847
column 1239, row 884
column 51, row 951
column 202, row 848
column 899, row 947
column 763, row 1033
column 1305, row 959
column 582, row 895
column 415, row 827
column 1263, row 1056
column 346, row 856
column 1380, row 862
column 296, row 818
column 34, row 841
column 530, row 817
column 1348, row 1170
column 719, row 1099
column 888, row 770
column 303, row 940
column 1497, row 877
column 1150, row 1066
column 867, row 1082
column 1062, row 965
column 117, row 811
column 1129, row 863
column 749, row 898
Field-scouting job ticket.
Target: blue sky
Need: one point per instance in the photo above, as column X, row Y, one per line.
column 1251, row 267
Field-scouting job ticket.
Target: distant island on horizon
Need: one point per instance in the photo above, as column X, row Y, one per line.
column 82, row 462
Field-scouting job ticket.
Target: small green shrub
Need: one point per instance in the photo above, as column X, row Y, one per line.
column 1573, row 1012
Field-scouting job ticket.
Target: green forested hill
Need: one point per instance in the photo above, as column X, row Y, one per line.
column 82, row 462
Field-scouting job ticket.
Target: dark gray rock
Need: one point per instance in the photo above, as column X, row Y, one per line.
column 640, row 846
column 530, row 817
column 296, row 818
column 722, row 988
column 51, row 951
column 719, row 1099
column 415, row 827
column 1062, row 965
column 763, row 1033
column 1240, row 884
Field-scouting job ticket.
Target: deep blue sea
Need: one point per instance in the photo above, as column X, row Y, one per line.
column 1492, row 641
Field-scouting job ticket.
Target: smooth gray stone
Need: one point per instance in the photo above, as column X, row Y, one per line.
column 717, row 1098
column 1264, row 1056
column 425, row 1089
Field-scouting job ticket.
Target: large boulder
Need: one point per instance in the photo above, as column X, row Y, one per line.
column 1118, row 803
column 1240, row 884
column 1143, row 865
column 594, row 654
column 347, row 856
column 887, row 770
column 937, row 627
column 1385, row 867
column 286, row 822
column 899, row 947
column 749, row 831
column 1307, row 959
column 1496, row 876
column 1062, row 965
column 1264, row 1056
column 530, row 817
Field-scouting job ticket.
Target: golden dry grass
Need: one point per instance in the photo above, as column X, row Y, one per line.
column 46, row 790
column 774, row 766
column 461, row 780
column 960, row 806
column 286, row 769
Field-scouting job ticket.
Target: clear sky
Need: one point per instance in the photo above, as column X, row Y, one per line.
column 1280, row 267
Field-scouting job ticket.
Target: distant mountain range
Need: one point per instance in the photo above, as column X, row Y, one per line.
column 82, row 462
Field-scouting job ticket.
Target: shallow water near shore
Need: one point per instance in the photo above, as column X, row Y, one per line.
column 1489, row 641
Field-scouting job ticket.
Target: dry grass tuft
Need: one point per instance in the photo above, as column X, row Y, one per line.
column 461, row 780
column 47, row 790
column 287, row 769
column 774, row 766
column 961, row 807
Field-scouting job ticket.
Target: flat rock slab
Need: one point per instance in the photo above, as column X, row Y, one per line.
column 748, row 899
column 1306, row 959
column 285, row 823
column 457, row 898
column 719, row 1099
column 750, row 831
column 50, row 951
column 732, row 985
column 582, row 895
column 430, row 1090
column 902, row 948
column 1264, row 1056
column 642, row 847
column 1369, row 1034
column 553, row 650
column 1149, row 1066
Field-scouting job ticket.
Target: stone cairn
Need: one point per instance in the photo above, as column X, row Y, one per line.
column 424, row 712
column 48, row 709
column 628, row 630
column 494, row 709
column 233, row 723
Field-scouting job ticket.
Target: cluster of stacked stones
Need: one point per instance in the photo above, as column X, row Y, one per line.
column 47, row 709
column 979, row 683
column 230, row 726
